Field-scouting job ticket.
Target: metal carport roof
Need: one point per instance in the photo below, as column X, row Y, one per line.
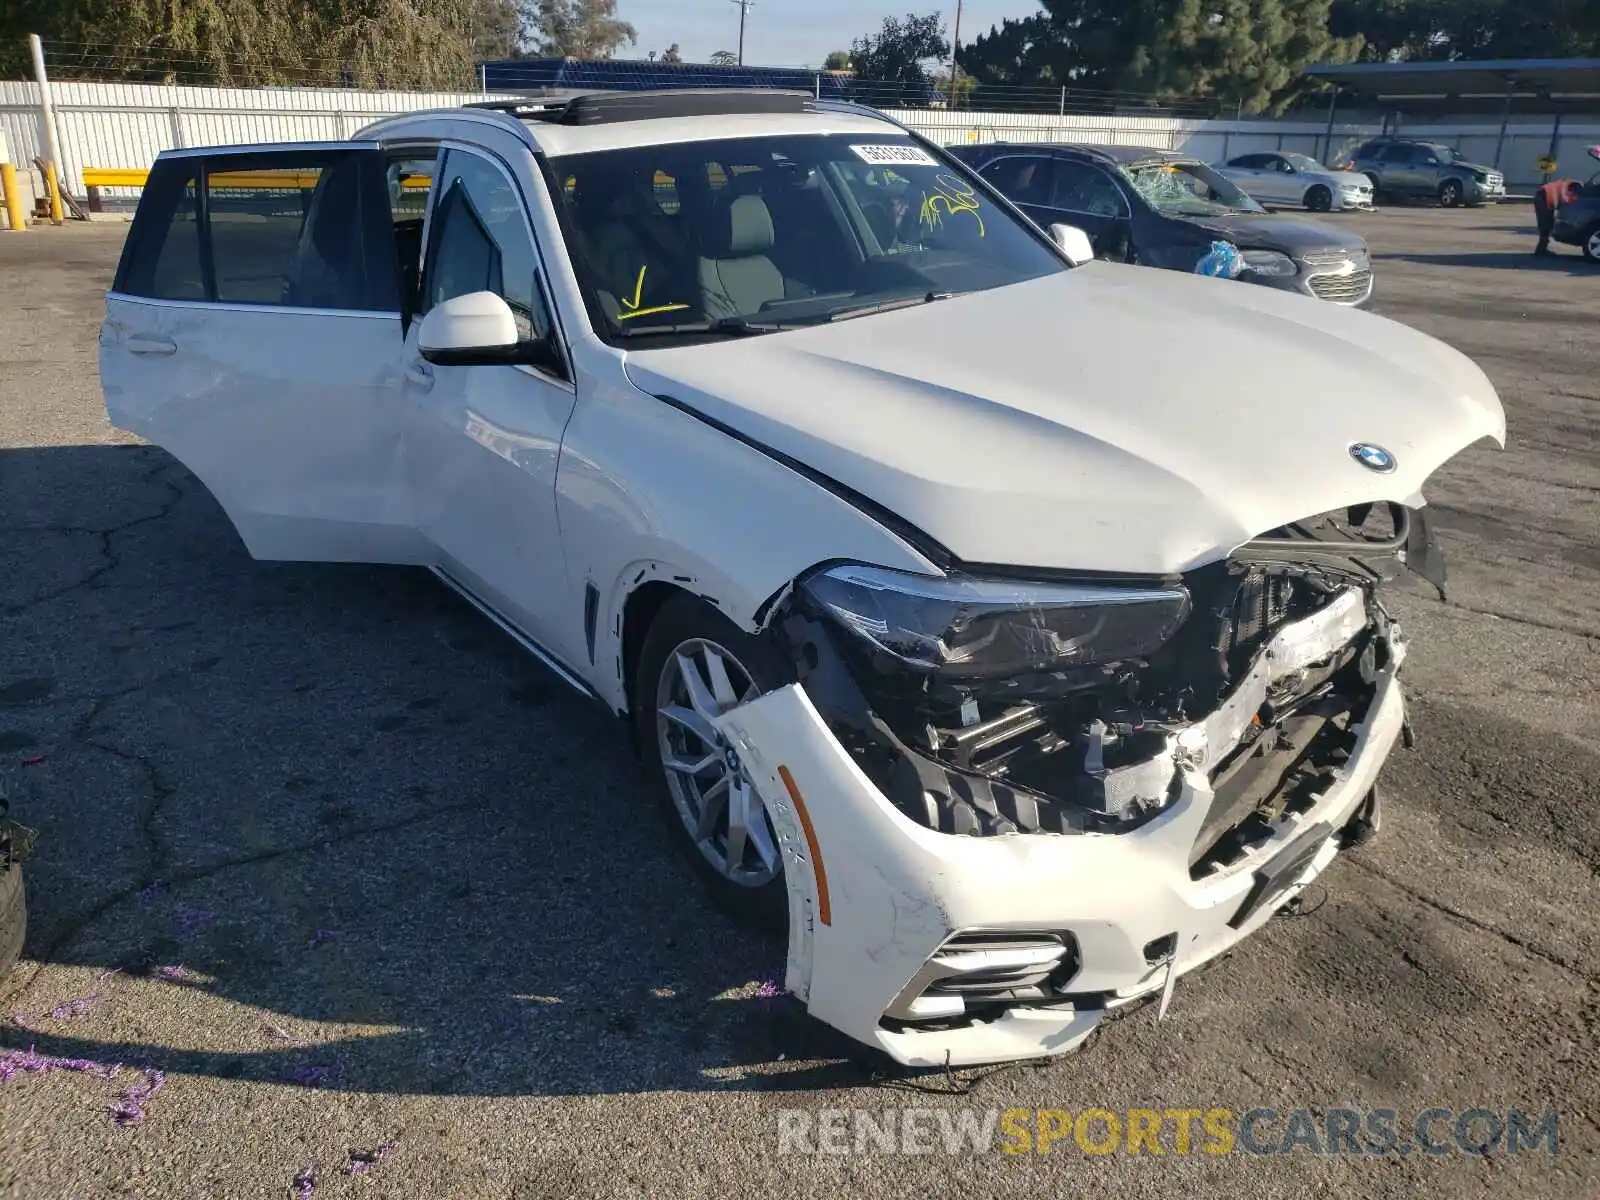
column 1533, row 85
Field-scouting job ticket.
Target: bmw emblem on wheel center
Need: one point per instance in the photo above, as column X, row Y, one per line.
column 1374, row 458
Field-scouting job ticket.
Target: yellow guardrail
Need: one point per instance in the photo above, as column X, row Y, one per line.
column 134, row 177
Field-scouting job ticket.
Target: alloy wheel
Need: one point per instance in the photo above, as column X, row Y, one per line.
column 710, row 789
column 1450, row 193
column 1591, row 245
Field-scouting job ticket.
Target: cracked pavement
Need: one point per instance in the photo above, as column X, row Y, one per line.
column 416, row 893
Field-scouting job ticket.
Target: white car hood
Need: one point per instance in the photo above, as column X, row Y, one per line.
column 1109, row 419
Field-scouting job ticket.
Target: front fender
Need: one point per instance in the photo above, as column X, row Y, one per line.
column 648, row 492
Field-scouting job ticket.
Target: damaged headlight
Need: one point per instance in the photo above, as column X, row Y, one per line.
column 1268, row 262
column 967, row 628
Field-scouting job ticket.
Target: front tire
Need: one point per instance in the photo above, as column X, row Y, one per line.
column 696, row 664
column 1451, row 193
column 1319, row 199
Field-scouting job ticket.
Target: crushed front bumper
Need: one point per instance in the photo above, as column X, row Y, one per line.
column 876, row 898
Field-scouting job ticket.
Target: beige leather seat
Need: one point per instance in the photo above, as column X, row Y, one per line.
column 736, row 275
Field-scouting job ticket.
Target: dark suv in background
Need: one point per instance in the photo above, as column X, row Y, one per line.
column 1163, row 209
column 1426, row 171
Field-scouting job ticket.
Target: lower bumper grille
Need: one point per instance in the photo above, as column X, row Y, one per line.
column 1342, row 289
column 987, row 967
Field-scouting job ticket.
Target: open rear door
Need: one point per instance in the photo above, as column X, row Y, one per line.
column 255, row 331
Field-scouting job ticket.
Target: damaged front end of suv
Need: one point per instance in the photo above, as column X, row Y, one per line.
column 1009, row 807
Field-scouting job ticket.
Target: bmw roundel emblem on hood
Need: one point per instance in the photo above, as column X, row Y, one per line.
column 1374, row 458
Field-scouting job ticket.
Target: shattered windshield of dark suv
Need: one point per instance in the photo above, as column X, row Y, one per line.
column 751, row 235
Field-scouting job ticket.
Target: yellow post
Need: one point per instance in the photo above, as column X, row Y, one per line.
column 15, row 217
column 53, row 190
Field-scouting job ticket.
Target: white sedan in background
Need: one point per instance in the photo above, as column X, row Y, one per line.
column 1283, row 177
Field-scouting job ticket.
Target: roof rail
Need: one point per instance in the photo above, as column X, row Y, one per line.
column 536, row 104
column 607, row 106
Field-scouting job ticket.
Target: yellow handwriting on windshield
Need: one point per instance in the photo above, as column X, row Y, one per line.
column 631, row 307
column 950, row 196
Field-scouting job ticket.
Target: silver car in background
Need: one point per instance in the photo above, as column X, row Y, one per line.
column 1284, row 177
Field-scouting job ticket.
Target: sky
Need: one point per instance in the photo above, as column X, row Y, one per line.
column 790, row 32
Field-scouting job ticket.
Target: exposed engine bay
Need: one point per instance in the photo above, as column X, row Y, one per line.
column 1097, row 748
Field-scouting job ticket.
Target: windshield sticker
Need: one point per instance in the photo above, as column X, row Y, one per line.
column 878, row 156
column 949, row 197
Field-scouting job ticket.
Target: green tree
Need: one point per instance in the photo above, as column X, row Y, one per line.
column 496, row 29
column 249, row 43
column 889, row 68
column 1244, row 54
column 964, row 87
column 1451, row 29
column 575, row 28
column 724, row 58
column 837, row 60
column 1019, row 51
column 672, row 54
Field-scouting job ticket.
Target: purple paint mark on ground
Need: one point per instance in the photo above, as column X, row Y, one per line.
column 192, row 920
column 29, row 1060
column 324, row 935
column 68, row 1010
column 309, row 1074
column 172, row 974
column 360, row 1164
column 305, row 1183
column 23, row 1021
column 128, row 1109
column 769, row 988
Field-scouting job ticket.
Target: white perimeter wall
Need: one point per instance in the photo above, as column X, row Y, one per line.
column 126, row 125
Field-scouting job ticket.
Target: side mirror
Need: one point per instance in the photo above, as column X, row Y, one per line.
column 477, row 328
column 1074, row 243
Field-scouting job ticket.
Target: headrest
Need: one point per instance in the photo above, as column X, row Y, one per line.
column 746, row 228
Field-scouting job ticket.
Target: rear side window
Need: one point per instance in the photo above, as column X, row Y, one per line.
column 1022, row 179
column 1082, row 188
column 257, row 220
column 161, row 256
column 308, row 229
column 1252, row 162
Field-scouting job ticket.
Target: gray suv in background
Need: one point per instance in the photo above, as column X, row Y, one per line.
column 1426, row 170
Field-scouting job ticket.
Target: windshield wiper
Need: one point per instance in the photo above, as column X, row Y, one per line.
column 722, row 326
column 845, row 314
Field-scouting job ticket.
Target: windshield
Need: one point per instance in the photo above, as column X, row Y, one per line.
column 747, row 235
column 1303, row 162
column 1187, row 189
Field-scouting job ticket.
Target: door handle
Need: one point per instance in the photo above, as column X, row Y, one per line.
column 150, row 345
column 420, row 374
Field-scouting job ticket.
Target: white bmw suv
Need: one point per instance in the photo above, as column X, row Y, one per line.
column 1003, row 622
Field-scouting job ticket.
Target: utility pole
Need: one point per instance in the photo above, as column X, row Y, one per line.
column 955, row 48
column 744, row 12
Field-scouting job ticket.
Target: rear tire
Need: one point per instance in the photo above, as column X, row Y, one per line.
column 711, row 809
column 13, row 918
column 1451, row 193
column 1591, row 243
column 1319, row 199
